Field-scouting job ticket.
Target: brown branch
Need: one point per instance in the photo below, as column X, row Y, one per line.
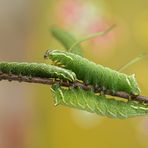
column 47, row 81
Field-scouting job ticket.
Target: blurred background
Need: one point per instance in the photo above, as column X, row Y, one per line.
column 28, row 117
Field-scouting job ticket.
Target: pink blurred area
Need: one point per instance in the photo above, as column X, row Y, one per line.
column 28, row 117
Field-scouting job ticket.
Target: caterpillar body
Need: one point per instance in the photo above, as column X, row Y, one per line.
column 36, row 70
column 97, row 75
column 67, row 40
column 88, row 101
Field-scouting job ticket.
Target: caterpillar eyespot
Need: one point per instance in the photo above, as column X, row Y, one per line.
column 96, row 75
column 37, row 70
column 88, row 101
column 67, row 40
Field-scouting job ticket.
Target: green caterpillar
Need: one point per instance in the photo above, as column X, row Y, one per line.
column 36, row 70
column 96, row 75
column 88, row 101
column 67, row 40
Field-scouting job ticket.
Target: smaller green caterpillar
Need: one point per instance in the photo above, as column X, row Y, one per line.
column 36, row 70
column 96, row 75
column 88, row 101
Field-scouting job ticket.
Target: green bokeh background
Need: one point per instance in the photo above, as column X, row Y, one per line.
column 27, row 37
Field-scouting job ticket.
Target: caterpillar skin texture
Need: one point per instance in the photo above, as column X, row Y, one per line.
column 88, row 101
column 36, row 70
column 94, row 74
column 67, row 40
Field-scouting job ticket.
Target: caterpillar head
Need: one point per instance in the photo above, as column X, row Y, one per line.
column 57, row 55
column 47, row 53
column 135, row 88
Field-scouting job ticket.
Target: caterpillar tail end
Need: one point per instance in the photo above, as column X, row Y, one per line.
column 135, row 90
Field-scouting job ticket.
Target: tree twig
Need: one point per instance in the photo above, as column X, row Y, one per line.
column 12, row 77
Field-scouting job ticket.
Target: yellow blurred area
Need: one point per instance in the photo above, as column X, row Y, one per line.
column 28, row 117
